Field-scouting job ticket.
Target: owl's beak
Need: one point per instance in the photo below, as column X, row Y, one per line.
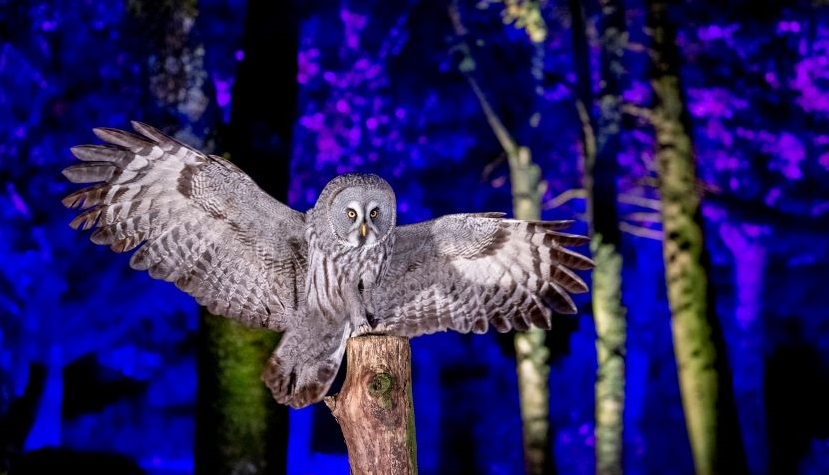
column 363, row 229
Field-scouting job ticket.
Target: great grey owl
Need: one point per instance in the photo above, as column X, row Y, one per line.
column 341, row 269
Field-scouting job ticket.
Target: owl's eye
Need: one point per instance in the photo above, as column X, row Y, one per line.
column 351, row 213
column 374, row 213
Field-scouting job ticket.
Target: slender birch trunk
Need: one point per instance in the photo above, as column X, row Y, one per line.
column 532, row 355
column 608, row 312
column 531, row 352
column 601, row 148
column 687, row 281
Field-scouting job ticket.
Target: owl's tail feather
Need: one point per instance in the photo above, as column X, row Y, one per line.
column 301, row 370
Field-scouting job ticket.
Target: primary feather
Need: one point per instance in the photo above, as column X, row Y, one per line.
column 465, row 272
column 204, row 224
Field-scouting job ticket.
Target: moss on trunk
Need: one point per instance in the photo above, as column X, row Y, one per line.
column 238, row 423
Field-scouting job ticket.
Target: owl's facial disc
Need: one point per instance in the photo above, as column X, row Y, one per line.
column 362, row 214
column 363, row 230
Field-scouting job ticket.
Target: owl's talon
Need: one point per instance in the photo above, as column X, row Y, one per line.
column 378, row 329
column 363, row 328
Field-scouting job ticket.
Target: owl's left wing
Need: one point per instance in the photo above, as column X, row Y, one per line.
column 465, row 272
column 201, row 223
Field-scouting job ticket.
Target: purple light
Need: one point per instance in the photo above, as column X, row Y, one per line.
column 17, row 200
column 313, row 121
column 788, row 27
column 771, row 78
column 791, row 154
column 342, row 107
column 810, row 74
column 223, row 89
column 239, row 55
column 354, row 24
column 772, row 196
column 717, row 32
column 824, row 160
column 307, row 66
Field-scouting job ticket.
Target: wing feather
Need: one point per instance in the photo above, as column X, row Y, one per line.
column 199, row 220
column 469, row 272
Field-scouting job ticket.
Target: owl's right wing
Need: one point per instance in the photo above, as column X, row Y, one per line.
column 204, row 223
column 465, row 272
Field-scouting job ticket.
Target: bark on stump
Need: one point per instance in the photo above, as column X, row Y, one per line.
column 374, row 407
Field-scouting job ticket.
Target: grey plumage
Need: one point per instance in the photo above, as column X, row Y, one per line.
column 342, row 269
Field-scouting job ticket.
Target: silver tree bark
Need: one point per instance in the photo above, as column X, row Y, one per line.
column 687, row 281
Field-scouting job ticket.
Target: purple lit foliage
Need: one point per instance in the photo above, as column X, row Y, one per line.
column 380, row 91
column 757, row 93
column 67, row 302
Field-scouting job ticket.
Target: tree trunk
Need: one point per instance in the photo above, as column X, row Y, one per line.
column 240, row 429
column 746, row 351
column 601, row 149
column 46, row 426
column 374, row 407
column 237, row 416
column 531, row 353
column 609, row 315
column 685, row 273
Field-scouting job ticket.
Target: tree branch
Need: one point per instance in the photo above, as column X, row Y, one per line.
column 565, row 197
column 641, row 231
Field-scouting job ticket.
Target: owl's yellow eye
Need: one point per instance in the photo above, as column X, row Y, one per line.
column 374, row 213
column 351, row 213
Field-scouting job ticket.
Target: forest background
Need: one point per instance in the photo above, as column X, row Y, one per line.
column 688, row 138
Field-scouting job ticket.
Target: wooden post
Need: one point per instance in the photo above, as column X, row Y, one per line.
column 374, row 407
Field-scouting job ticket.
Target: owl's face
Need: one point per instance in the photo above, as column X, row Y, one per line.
column 362, row 212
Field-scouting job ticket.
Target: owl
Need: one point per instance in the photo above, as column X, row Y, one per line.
column 342, row 269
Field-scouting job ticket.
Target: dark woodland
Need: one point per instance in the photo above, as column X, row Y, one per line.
column 690, row 141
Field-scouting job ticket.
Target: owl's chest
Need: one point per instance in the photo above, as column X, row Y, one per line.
column 338, row 276
column 360, row 266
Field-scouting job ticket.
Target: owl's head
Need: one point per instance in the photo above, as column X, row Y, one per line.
column 360, row 208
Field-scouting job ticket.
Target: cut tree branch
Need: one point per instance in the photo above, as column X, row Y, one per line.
column 374, row 407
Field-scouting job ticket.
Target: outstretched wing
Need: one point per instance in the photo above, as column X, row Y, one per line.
column 464, row 272
column 204, row 223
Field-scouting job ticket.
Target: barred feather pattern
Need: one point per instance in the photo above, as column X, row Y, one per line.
column 204, row 224
column 340, row 270
column 339, row 278
column 467, row 272
column 301, row 369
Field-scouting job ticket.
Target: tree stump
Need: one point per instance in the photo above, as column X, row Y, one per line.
column 374, row 408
